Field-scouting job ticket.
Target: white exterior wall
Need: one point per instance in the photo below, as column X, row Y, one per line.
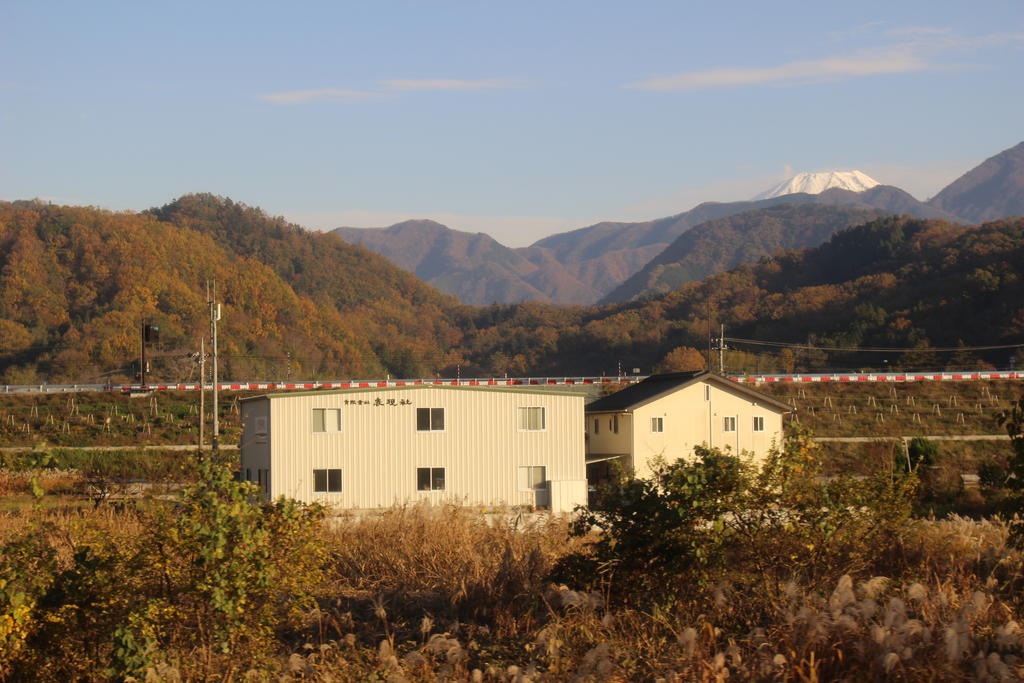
column 379, row 448
column 689, row 420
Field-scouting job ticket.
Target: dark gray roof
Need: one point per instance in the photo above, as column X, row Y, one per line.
column 656, row 386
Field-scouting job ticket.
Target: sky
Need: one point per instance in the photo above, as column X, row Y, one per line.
column 518, row 119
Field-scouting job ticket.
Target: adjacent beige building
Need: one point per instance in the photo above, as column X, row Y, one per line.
column 665, row 416
column 373, row 448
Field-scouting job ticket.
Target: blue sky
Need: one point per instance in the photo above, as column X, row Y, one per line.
column 518, row 119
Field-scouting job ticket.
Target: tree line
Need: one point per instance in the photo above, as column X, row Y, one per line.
column 76, row 283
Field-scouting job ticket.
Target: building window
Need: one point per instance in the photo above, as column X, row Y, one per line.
column 248, row 474
column 326, row 481
column 657, row 424
column 531, row 419
column 758, row 424
column 729, row 424
column 597, row 426
column 326, row 419
column 533, row 478
column 430, row 479
column 615, row 424
column 430, row 419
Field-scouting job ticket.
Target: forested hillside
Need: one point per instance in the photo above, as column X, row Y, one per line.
column 76, row 283
column 718, row 245
column 893, row 282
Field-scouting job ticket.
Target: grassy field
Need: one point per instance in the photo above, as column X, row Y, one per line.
column 161, row 582
column 427, row 594
column 111, row 419
column 897, row 409
column 860, row 409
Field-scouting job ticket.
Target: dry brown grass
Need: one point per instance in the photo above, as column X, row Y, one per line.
column 952, row 614
column 448, row 561
column 50, row 482
column 420, row 593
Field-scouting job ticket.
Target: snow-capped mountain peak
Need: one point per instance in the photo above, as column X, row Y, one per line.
column 816, row 183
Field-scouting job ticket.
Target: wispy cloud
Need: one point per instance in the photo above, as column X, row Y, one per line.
column 445, row 84
column 917, row 52
column 891, row 61
column 919, row 31
column 387, row 88
column 318, row 94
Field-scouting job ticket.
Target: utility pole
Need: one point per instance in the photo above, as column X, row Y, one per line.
column 721, row 351
column 142, row 362
column 202, row 391
column 214, row 317
column 149, row 333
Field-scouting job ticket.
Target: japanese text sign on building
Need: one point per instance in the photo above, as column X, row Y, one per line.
column 377, row 402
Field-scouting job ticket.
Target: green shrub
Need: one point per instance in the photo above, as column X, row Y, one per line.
column 922, row 451
column 718, row 517
column 216, row 574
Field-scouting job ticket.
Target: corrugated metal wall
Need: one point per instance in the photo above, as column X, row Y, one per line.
column 378, row 448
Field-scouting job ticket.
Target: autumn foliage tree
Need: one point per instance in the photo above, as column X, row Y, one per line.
column 682, row 359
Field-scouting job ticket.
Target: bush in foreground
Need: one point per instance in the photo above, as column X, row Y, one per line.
column 777, row 575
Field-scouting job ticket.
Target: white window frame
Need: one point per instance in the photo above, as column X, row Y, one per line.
column 527, row 473
column 524, row 414
column 430, row 420
column 657, row 425
column 327, row 480
column 729, row 423
column 758, row 423
column 330, row 419
column 432, row 488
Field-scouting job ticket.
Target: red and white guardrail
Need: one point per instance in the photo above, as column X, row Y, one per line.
column 880, row 377
column 795, row 378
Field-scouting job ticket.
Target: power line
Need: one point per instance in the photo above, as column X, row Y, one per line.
column 874, row 349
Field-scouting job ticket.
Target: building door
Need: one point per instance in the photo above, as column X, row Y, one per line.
column 534, row 478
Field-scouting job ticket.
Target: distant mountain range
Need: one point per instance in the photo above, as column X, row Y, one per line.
column 591, row 264
column 474, row 267
column 581, row 266
column 815, row 183
column 992, row 190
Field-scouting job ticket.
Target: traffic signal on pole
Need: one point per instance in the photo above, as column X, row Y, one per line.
column 150, row 333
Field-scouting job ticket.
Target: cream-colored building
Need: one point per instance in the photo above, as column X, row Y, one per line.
column 665, row 416
column 373, row 448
